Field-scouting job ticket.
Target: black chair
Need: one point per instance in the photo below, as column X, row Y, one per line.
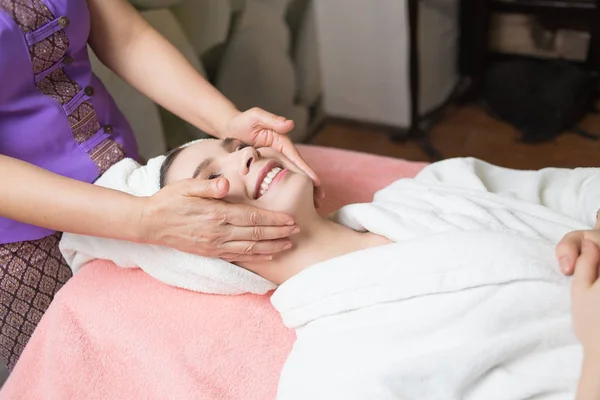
column 475, row 16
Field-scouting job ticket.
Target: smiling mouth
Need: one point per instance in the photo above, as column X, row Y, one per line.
column 268, row 173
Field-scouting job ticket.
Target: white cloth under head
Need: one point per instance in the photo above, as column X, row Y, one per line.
column 173, row 267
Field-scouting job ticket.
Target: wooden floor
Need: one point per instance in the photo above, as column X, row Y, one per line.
column 470, row 131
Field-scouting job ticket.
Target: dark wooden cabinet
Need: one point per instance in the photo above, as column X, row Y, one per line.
column 475, row 17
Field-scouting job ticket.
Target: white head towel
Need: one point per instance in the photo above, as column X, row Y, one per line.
column 175, row 268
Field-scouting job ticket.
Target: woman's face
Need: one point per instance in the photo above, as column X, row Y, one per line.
column 261, row 177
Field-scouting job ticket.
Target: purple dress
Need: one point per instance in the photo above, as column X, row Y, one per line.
column 56, row 114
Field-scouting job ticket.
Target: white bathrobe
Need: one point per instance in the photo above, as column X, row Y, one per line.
column 468, row 303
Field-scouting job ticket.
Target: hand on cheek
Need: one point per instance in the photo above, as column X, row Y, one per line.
column 260, row 128
column 189, row 216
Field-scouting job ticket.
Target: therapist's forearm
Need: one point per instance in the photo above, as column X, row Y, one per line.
column 135, row 51
column 589, row 382
column 35, row 196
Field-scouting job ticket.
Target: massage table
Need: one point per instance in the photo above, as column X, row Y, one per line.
column 114, row 333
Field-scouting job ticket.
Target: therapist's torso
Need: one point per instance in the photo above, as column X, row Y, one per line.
column 54, row 112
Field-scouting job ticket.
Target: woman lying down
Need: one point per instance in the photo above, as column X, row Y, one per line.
column 446, row 286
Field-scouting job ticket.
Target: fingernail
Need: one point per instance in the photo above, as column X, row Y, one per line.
column 565, row 264
column 287, row 246
column 290, row 222
column 220, row 184
column 296, row 230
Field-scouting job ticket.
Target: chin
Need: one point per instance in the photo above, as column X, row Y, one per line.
column 294, row 196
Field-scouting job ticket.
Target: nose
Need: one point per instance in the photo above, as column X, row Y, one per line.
column 249, row 155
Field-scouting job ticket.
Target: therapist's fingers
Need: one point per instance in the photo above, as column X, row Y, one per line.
column 586, row 269
column 259, row 233
column 215, row 189
column 265, row 247
column 243, row 215
column 287, row 148
column 284, row 145
column 568, row 250
column 186, row 216
column 240, row 258
column 319, row 195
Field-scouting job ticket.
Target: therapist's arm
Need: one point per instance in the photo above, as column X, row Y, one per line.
column 135, row 51
column 38, row 197
column 177, row 216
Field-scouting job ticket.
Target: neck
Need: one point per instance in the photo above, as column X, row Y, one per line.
column 319, row 240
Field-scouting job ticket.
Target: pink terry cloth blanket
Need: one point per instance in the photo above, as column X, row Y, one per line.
column 114, row 333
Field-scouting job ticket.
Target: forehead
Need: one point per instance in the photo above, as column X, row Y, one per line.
column 188, row 159
column 206, row 148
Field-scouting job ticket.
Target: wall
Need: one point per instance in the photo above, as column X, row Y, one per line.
column 363, row 47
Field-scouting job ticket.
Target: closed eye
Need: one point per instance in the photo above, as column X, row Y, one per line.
column 214, row 176
column 241, row 146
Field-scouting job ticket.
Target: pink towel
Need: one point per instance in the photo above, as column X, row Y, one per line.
column 115, row 333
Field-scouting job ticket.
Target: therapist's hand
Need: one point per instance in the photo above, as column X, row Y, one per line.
column 185, row 216
column 260, row 128
column 569, row 249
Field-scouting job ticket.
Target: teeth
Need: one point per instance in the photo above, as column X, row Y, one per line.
column 268, row 179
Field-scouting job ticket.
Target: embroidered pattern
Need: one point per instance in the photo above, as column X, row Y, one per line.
column 107, row 153
column 84, row 122
column 59, row 86
column 49, row 51
column 30, row 275
column 32, row 272
column 29, row 15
